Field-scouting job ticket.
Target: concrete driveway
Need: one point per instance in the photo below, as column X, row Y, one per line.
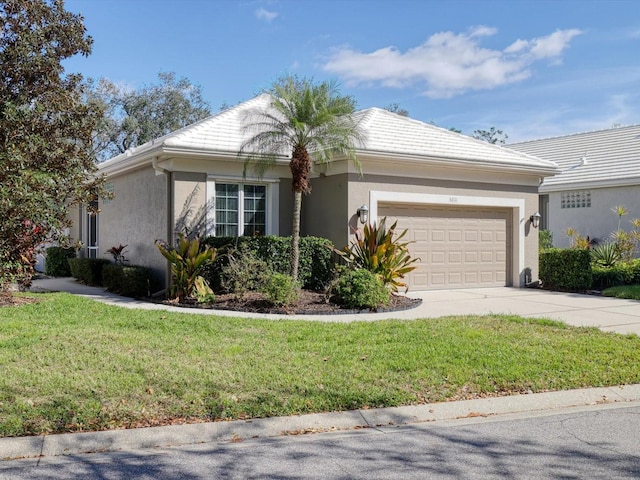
column 609, row 314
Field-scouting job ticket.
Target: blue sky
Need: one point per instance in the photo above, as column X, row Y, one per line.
column 531, row 68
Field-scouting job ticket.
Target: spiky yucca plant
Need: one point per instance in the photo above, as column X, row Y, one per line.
column 377, row 249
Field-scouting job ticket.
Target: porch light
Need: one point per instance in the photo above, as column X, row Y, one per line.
column 535, row 219
column 363, row 213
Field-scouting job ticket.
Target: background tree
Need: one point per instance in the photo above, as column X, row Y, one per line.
column 395, row 108
column 492, row 136
column 134, row 117
column 312, row 122
column 45, row 130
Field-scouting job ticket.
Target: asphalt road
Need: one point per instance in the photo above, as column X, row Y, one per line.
column 597, row 442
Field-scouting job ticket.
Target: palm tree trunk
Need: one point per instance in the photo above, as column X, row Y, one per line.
column 295, row 234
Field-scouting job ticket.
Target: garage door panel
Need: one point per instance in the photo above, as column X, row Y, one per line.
column 436, row 235
column 458, row 247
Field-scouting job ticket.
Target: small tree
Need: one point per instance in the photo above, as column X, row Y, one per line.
column 46, row 163
column 311, row 121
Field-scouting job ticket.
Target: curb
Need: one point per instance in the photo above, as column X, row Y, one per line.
column 238, row 430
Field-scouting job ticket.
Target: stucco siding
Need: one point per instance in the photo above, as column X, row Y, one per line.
column 596, row 221
column 189, row 203
column 285, row 206
column 325, row 210
column 525, row 248
column 136, row 217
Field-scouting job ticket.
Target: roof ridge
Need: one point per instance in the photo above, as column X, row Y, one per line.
column 587, row 132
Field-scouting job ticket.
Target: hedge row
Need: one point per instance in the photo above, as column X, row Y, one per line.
column 572, row 270
column 88, row 270
column 316, row 265
column 130, row 280
column 57, row 262
column 566, row 269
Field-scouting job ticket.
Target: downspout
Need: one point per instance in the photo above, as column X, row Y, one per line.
column 169, row 236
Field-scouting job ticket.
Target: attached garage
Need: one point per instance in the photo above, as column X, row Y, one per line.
column 458, row 247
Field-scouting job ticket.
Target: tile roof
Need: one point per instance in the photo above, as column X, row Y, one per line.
column 387, row 132
column 604, row 157
column 384, row 133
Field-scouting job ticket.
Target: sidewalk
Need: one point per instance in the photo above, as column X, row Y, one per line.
column 608, row 314
column 234, row 431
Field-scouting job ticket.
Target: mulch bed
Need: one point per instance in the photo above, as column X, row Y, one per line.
column 309, row 303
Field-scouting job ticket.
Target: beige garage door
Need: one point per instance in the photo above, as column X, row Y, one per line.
column 458, row 247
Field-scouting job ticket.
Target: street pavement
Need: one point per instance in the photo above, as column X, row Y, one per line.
column 596, row 442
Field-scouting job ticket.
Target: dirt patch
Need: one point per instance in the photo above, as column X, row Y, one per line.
column 309, row 303
column 10, row 300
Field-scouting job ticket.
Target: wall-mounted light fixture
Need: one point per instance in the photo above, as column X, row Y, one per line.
column 535, row 219
column 363, row 214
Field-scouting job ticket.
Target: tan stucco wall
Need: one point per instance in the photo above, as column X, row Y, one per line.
column 136, row 217
column 597, row 221
column 286, row 207
column 77, row 223
column 189, row 202
column 340, row 209
column 324, row 211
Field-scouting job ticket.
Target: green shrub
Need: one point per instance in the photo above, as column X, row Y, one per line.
column 280, row 289
column 243, row 271
column 631, row 271
column 88, row 270
column 566, row 269
column 545, row 240
column 359, row 288
column 131, row 281
column 316, row 266
column 381, row 252
column 606, row 276
column 57, row 264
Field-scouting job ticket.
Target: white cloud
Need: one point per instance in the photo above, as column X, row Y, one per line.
column 266, row 15
column 552, row 45
column 449, row 64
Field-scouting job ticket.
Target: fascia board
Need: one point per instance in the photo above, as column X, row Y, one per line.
column 563, row 187
column 399, row 159
column 124, row 163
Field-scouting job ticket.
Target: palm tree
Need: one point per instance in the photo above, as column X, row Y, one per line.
column 308, row 121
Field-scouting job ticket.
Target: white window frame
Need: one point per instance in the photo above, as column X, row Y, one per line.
column 93, row 245
column 271, row 203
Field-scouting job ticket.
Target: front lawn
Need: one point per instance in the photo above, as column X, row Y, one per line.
column 72, row 364
column 623, row 291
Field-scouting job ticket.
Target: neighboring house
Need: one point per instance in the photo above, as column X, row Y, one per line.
column 600, row 170
column 467, row 204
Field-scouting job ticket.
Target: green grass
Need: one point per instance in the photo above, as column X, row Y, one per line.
column 72, row 364
column 623, row 291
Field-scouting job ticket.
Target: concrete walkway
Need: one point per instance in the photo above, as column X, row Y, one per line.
column 608, row 314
